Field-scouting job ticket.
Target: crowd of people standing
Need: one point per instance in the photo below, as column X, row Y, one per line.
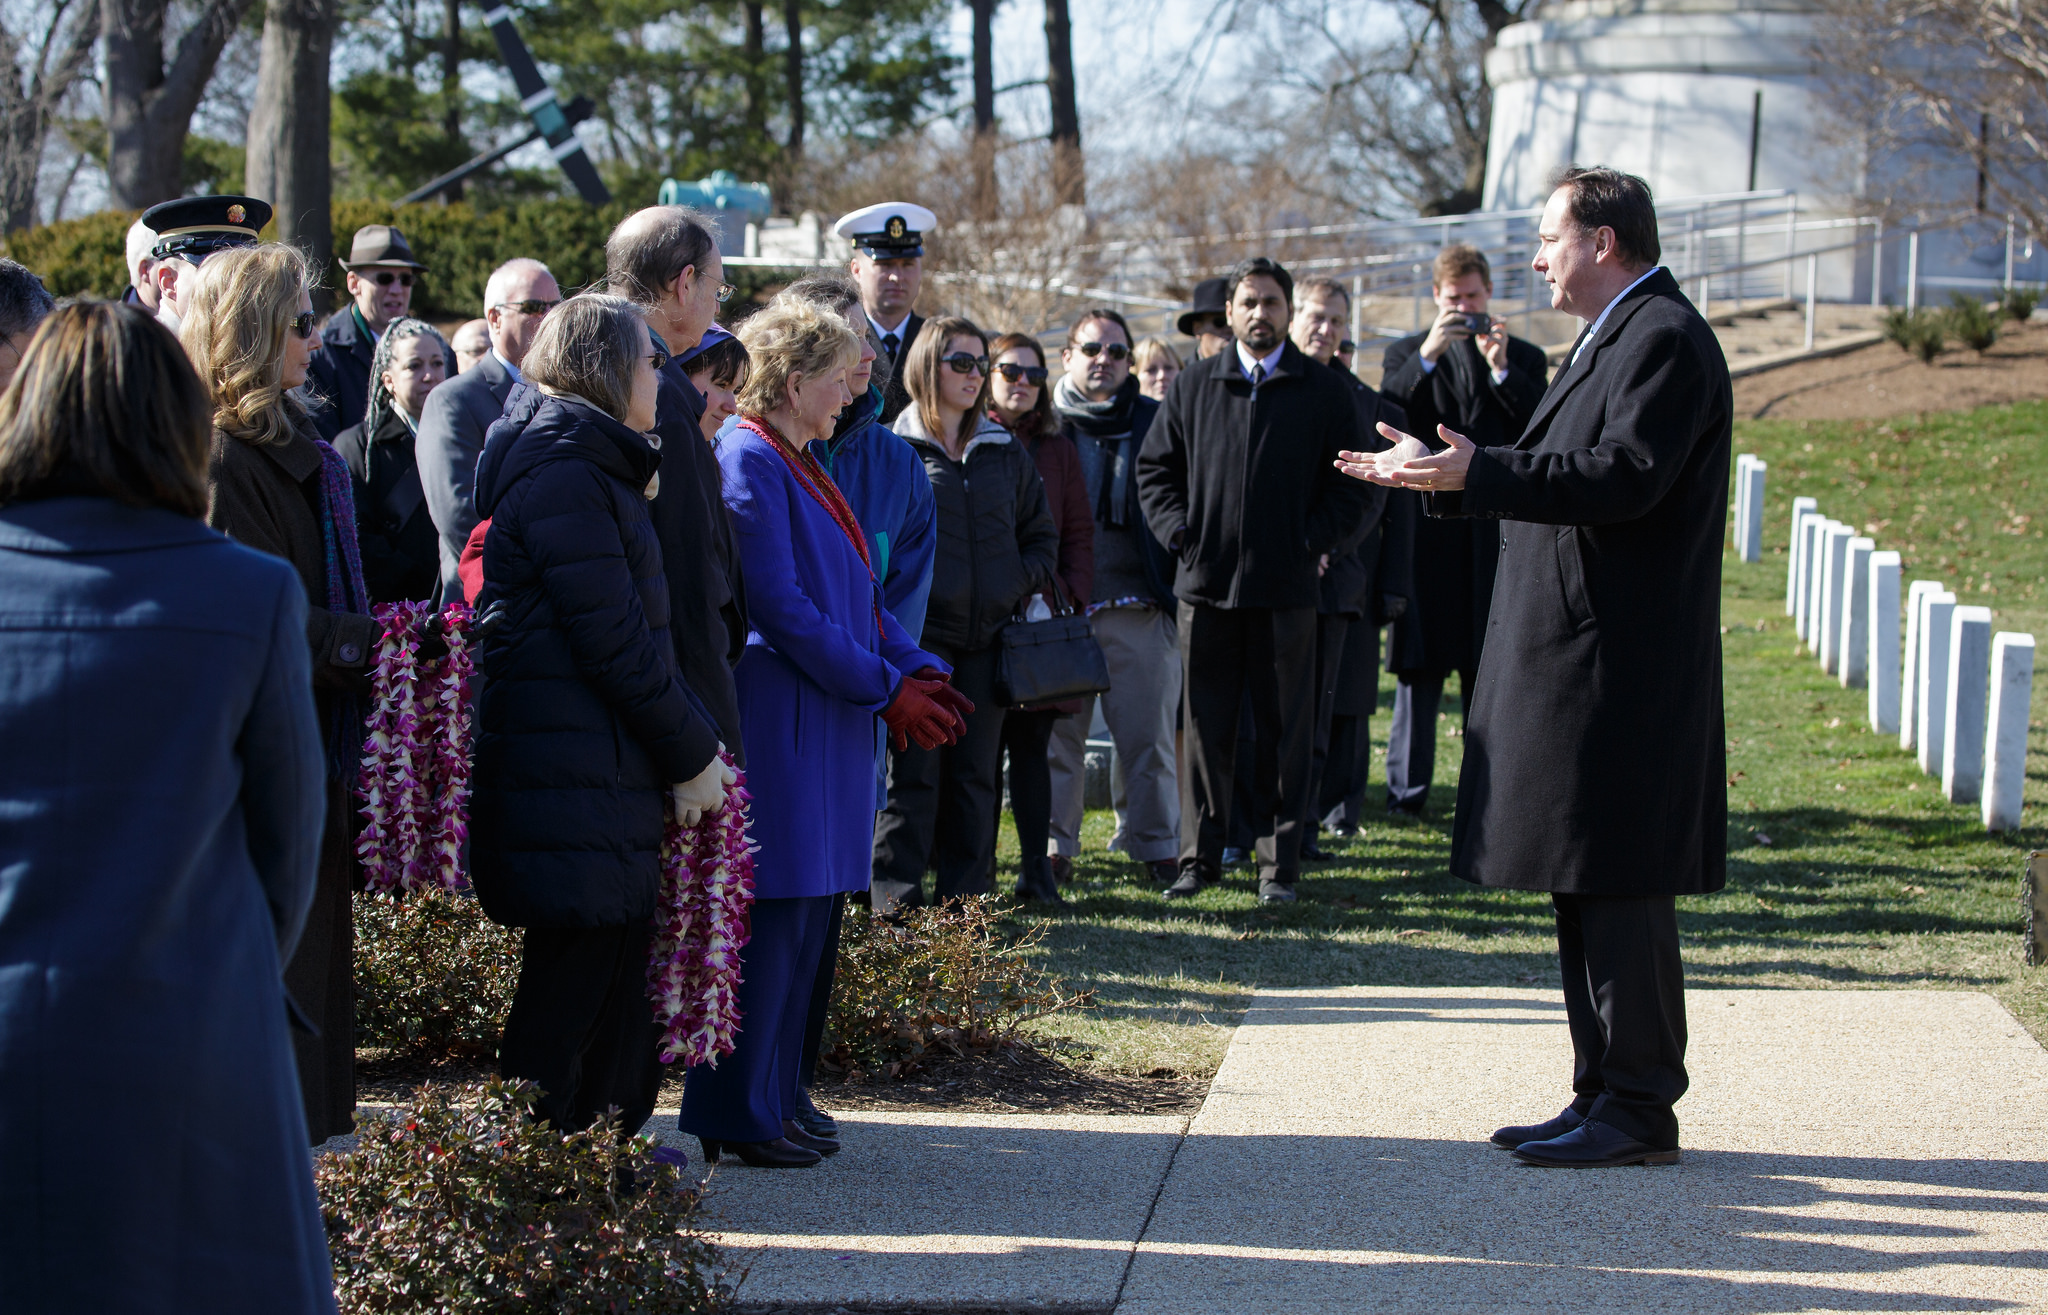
column 791, row 545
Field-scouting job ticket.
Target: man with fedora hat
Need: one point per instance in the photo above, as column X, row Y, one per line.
column 381, row 270
column 1206, row 321
column 888, row 267
column 188, row 230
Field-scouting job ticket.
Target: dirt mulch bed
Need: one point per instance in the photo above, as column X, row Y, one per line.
column 1881, row 381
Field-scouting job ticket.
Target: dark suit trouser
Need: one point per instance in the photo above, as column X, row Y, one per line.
column 1254, row 793
column 1330, row 633
column 750, row 1093
column 581, row 1025
column 943, row 802
column 1624, row 1000
column 1411, row 739
column 820, row 1008
column 1226, row 653
column 1341, row 801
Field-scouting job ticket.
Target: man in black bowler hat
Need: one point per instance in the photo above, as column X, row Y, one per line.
column 1205, row 321
column 381, row 272
column 888, row 267
column 190, row 229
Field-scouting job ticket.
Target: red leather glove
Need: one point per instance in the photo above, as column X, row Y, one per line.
column 943, row 694
column 913, row 716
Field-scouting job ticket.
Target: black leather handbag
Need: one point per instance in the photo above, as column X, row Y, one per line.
column 1049, row 661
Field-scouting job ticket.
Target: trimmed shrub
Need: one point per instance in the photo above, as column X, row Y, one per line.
column 458, row 1202
column 434, row 977
column 941, row 983
column 1921, row 332
column 77, row 257
column 1970, row 321
column 2018, row 301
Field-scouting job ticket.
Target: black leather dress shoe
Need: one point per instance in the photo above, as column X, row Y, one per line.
column 778, row 1154
column 1593, row 1145
column 1276, row 892
column 816, row 1121
column 1315, row 853
column 794, row 1134
column 1190, row 882
column 1511, row 1137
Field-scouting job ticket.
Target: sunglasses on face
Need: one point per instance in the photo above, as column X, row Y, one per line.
column 1213, row 324
column 1115, row 351
column 725, row 291
column 659, row 360
column 962, row 363
column 384, row 278
column 305, row 324
column 535, row 306
column 1347, row 346
column 1031, row 374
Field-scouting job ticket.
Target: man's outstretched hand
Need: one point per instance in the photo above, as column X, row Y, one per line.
column 1409, row 464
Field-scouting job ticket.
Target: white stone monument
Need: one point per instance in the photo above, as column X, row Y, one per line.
column 1852, row 647
column 1801, row 509
column 1834, row 593
column 1931, row 701
column 2005, row 732
column 1813, row 532
column 1969, row 673
column 1882, row 631
column 1909, row 674
column 1749, row 507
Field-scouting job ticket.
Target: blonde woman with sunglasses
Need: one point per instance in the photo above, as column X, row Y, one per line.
column 998, row 545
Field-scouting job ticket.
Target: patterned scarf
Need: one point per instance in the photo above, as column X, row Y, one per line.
column 823, row 491
column 345, row 593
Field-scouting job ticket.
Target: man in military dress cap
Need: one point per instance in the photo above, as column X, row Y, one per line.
column 190, row 229
column 888, row 264
column 381, row 272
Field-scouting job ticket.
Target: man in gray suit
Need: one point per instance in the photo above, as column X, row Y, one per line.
column 458, row 413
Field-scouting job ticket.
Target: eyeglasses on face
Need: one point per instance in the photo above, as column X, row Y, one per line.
column 1115, row 351
column 384, row 278
column 659, row 359
column 962, row 363
column 1213, row 324
column 531, row 306
column 305, row 324
column 725, row 291
column 1347, row 346
column 1031, row 374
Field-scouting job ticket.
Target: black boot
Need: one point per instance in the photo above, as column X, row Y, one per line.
column 1035, row 883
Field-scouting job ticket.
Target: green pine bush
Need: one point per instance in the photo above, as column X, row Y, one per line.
column 1970, row 321
column 1920, row 331
column 434, row 977
column 2018, row 301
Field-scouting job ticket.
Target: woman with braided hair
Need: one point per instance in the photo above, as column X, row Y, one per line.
column 400, row 547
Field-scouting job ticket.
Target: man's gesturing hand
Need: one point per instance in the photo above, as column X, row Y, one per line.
column 1410, row 465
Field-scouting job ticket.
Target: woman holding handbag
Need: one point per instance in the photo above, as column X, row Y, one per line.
column 1021, row 401
column 997, row 546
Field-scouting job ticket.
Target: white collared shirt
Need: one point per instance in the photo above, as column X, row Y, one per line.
column 510, row 368
column 883, row 330
column 1245, row 359
column 1594, row 331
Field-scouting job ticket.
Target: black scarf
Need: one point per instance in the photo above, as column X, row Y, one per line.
column 1109, row 424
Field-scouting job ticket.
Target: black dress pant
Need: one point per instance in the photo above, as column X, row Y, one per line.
column 1411, row 739
column 1027, row 736
column 1227, row 653
column 942, row 805
column 1624, row 1000
column 581, row 1025
column 1330, row 632
column 1255, row 793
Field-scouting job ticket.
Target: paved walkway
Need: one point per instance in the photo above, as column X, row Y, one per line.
column 1845, row 1150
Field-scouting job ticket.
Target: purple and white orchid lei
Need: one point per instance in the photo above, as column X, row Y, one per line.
column 414, row 781
column 707, row 898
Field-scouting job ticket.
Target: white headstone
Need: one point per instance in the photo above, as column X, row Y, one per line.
column 1931, row 700
column 1969, row 676
column 1852, row 648
column 1751, row 525
column 1738, row 515
column 1801, row 509
column 2005, row 732
column 1909, row 674
column 1834, row 589
column 1882, row 630
column 1810, row 532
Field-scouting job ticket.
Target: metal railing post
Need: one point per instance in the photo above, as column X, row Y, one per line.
column 1812, row 282
column 1791, row 241
column 1415, row 281
column 1877, row 265
column 1912, row 271
column 2008, row 253
column 1741, row 242
column 1357, row 311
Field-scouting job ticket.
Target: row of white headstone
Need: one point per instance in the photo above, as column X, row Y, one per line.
column 1954, row 693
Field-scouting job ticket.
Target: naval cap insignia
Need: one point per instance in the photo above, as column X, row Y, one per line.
column 236, row 214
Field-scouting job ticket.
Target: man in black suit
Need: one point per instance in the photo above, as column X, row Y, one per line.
column 380, row 273
column 457, row 415
column 1485, row 386
column 888, row 267
column 1594, row 757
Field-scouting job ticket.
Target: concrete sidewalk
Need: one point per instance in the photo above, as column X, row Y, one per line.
column 1845, row 1150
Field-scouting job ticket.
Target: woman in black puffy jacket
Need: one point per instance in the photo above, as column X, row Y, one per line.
column 584, row 725
column 998, row 545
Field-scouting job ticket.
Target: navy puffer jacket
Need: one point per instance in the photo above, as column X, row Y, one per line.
column 583, row 721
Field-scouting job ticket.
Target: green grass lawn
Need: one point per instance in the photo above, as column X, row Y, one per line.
column 1868, row 877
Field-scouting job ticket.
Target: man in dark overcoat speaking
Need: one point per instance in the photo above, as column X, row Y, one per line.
column 1594, row 759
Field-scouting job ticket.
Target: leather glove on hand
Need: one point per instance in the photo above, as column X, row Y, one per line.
column 704, row 793
column 433, row 641
column 914, row 716
column 943, row 694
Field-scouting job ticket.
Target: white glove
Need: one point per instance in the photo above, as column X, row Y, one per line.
column 704, row 793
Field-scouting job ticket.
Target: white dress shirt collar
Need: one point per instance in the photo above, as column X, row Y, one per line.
column 510, row 368
column 1245, row 359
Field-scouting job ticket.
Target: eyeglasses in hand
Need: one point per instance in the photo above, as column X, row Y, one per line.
column 1034, row 375
column 1115, row 351
column 305, row 325
column 962, row 363
column 531, row 306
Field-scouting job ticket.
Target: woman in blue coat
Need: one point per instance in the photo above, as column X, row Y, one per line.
column 824, row 658
column 161, row 800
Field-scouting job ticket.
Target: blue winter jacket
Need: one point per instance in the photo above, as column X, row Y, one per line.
column 891, row 495
column 583, row 721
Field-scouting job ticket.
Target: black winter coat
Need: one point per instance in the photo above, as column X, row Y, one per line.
column 997, row 541
column 401, row 550
column 1346, row 587
column 1594, row 757
column 583, row 722
column 1247, row 484
column 338, row 379
column 1454, row 560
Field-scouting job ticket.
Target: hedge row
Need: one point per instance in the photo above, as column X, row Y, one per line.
column 459, row 245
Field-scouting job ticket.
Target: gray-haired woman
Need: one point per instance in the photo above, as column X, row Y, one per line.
column 584, row 725
column 400, row 547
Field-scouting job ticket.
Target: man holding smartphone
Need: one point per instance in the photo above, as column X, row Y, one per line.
column 1467, row 373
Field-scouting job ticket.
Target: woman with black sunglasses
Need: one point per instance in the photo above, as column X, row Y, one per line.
column 1021, row 402
column 998, row 545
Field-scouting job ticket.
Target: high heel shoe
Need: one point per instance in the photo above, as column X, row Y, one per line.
column 778, row 1154
column 794, row 1133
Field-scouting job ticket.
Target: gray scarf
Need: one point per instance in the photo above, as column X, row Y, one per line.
column 1108, row 422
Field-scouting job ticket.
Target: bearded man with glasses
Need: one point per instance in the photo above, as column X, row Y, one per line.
column 381, row 272
column 1130, row 608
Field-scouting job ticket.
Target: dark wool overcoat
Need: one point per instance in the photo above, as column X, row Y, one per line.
column 1594, row 757
column 583, row 722
column 161, row 797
